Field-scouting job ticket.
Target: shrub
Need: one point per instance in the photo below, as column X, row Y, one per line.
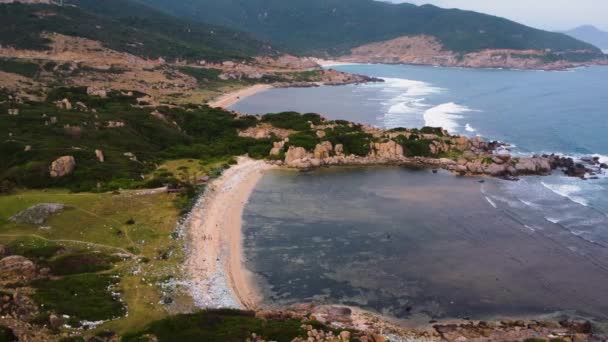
column 20, row 67
column 34, row 247
column 292, row 120
column 219, row 325
column 7, row 334
column 308, row 140
column 84, row 297
column 77, row 263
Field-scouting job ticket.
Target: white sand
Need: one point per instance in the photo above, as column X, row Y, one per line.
column 231, row 98
column 218, row 277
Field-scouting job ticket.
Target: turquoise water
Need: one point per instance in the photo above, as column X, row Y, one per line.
column 457, row 248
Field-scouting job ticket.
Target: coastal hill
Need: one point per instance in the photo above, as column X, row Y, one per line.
column 124, row 26
column 591, row 35
column 333, row 28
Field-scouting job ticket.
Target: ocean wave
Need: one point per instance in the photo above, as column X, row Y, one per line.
column 411, row 87
column 568, row 191
column 491, row 202
column 469, row 128
column 445, row 115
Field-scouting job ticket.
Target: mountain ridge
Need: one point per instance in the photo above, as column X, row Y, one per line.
column 591, row 35
column 334, row 27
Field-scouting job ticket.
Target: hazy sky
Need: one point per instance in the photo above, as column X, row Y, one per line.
column 545, row 14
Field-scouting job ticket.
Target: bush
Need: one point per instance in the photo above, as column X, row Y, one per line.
column 7, row 334
column 219, row 325
column 308, row 140
column 78, row 263
column 34, row 247
column 292, row 120
column 84, row 297
column 20, row 67
column 414, row 147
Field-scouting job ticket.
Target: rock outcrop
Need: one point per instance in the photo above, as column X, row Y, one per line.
column 427, row 50
column 15, row 269
column 100, row 156
column 62, row 166
column 37, row 214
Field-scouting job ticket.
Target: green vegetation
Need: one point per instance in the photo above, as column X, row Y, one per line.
column 20, row 67
column 219, row 325
column 124, row 26
column 207, row 134
column 352, row 137
column 414, row 146
column 83, row 297
column 83, row 262
column 202, row 75
column 335, row 26
column 7, row 335
column 292, row 120
column 91, row 233
column 308, row 140
column 33, row 247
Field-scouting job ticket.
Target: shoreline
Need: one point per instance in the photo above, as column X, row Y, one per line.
column 231, row 98
column 214, row 266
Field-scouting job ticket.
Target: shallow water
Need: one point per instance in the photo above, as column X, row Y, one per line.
column 409, row 242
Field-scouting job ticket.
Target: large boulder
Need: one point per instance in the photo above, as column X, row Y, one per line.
column 16, row 269
column 323, row 150
column 339, row 150
column 37, row 214
column 295, row 154
column 100, row 156
column 388, row 150
column 496, row 170
column 62, row 166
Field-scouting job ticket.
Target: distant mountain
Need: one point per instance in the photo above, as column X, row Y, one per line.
column 591, row 35
column 336, row 26
column 125, row 26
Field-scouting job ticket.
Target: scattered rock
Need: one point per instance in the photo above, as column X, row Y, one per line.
column 62, row 166
column 100, row 156
column 16, row 269
column 37, row 214
column 577, row 326
column 130, row 155
column 64, row 104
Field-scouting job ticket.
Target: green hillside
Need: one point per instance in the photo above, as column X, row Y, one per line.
column 334, row 26
column 124, row 26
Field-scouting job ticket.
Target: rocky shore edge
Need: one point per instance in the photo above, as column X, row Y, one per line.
column 458, row 154
column 351, row 323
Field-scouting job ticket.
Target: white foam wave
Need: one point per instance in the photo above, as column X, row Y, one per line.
column 552, row 220
column 411, row 87
column 445, row 115
column 491, row 202
column 568, row 191
column 469, row 128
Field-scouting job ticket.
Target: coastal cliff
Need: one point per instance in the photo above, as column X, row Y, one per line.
column 427, row 50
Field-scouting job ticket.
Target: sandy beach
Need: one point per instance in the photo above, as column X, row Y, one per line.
column 215, row 265
column 231, row 98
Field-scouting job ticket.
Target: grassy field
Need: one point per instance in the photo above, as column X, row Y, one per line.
column 142, row 225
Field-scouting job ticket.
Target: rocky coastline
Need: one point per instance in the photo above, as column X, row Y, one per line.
column 427, row 50
column 458, row 154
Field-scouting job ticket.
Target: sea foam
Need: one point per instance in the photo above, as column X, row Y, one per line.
column 445, row 115
column 568, row 191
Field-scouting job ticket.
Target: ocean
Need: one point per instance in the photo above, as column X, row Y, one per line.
column 566, row 219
